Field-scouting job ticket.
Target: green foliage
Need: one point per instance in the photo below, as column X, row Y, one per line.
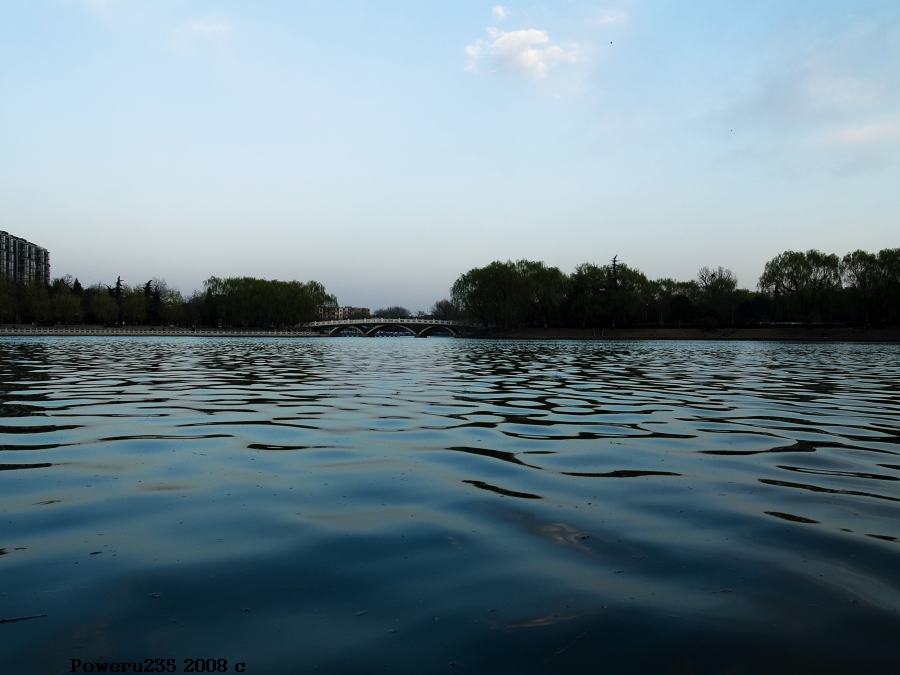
column 543, row 291
column 37, row 302
column 8, row 301
column 861, row 287
column 508, row 294
column 673, row 302
column 103, row 305
column 172, row 307
column 588, row 293
column 889, row 266
column 811, row 286
column 117, row 292
column 804, row 286
column 442, row 310
column 718, row 294
column 246, row 301
column 162, row 305
column 134, row 306
column 65, row 305
column 243, row 301
column 872, row 283
column 631, row 296
column 393, row 312
column 492, row 295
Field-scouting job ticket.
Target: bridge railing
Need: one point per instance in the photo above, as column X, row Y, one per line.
column 147, row 332
column 375, row 320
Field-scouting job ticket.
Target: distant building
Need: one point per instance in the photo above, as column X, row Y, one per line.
column 22, row 261
column 348, row 312
column 339, row 313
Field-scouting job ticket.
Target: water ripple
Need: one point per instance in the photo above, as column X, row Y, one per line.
column 356, row 487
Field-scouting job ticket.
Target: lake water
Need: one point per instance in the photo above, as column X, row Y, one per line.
column 441, row 505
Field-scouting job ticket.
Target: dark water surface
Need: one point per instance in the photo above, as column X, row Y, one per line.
column 440, row 505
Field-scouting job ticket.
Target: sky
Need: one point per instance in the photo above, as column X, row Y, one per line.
column 384, row 148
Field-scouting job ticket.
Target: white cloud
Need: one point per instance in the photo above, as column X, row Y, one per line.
column 849, row 78
column 518, row 52
column 500, row 12
column 608, row 16
column 857, row 135
column 856, row 148
column 95, row 5
column 206, row 28
column 199, row 31
column 830, row 103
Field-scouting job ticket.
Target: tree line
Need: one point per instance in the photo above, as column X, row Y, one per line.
column 246, row 301
column 796, row 287
column 861, row 288
column 233, row 301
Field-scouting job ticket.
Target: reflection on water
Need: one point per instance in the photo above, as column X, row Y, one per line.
column 352, row 505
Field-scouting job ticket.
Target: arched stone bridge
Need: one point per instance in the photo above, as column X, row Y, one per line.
column 370, row 326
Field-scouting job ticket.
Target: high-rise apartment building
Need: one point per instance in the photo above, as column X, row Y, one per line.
column 22, row 261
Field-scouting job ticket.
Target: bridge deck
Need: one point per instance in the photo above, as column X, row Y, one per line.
column 373, row 320
column 372, row 325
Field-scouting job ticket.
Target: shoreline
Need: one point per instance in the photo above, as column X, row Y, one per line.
column 142, row 331
column 773, row 334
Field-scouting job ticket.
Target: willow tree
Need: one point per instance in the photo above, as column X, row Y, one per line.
column 134, row 305
column 872, row 282
column 247, row 301
column 492, row 295
column 103, row 305
column 588, row 295
column 543, row 290
column 803, row 286
column 632, row 295
column 64, row 304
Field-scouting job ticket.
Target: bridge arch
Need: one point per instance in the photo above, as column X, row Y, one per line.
column 371, row 326
column 337, row 330
column 428, row 330
column 372, row 332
